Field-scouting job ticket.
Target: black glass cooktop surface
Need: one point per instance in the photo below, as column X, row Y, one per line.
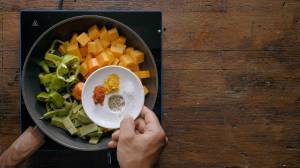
column 33, row 23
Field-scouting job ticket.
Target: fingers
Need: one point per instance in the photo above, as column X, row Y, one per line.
column 127, row 129
column 115, row 135
column 140, row 125
column 149, row 116
column 112, row 144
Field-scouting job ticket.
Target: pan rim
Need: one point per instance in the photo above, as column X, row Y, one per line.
column 44, row 129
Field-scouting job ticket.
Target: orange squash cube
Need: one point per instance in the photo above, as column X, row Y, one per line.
column 105, row 59
column 143, row 74
column 83, row 51
column 113, row 34
column 74, row 39
column 93, row 32
column 103, row 32
column 93, row 65
column 74, row 50
column 105, row 43
column 63, row 48
column 128, row 62
column 146, row 90
column 117, row 49
column 84, row 68
column 137, row 55
column 89, row 56
column 83, row 39
column 116, row 61
column 128, row 50
column 119, row 40
column 95, row 47
column 77, row 90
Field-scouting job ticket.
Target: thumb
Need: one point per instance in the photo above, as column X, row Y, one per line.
column 127, row 128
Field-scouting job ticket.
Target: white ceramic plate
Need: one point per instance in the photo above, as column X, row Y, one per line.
column 131, row 89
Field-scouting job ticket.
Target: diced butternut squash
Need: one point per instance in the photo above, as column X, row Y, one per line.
column 119, row 40
column 146, row 90
column 77, row 90
column 93, row 65
column 89, row 56
column 84, row 68
column 128, row 50
column 99, row 45
column 104, row 43
column 74, row 39
column 105, row 59
column 128, row 62
column 92, row 48
column 83, row 51
column 74, row 50
column 116, row 61
column 95, row 47
column 117, row 50
column 93, row 32
column 113, row 34
column 143, row 74
column 63, row 48
column 83, row 39
column 103, row 32
column 137, row 56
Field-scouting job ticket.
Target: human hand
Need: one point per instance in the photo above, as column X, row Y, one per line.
column 140, row 142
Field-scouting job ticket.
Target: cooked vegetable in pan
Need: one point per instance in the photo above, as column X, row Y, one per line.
column 67, row 64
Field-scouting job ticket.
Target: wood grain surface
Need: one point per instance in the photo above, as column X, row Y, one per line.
column 231, row 81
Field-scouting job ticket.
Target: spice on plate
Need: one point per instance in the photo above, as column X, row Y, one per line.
column 116, row 102
column 111, row 84
column 99, row 94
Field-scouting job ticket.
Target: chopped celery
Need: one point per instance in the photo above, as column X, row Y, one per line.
column 81, row 116
column 57, row 112
column 58, row 122
column 84, row 130
column 69, row 126
column 96, row 133
column 76, row 123
column 94, row 140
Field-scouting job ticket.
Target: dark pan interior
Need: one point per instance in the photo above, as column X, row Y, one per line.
column 63, row 31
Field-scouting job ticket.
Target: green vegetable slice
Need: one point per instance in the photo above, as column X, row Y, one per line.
column 58, row 121
column 57, row 99
column 68, row 69
column 44, row 66
column 43, row 96
column 52, row 60
column 81, row 116
column 69, row 126
column 57, row 112
column 94, row 140
column 84, row 130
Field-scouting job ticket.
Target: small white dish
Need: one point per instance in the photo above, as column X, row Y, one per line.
column 130, row 88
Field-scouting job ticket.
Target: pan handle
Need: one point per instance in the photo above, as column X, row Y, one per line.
column 30, row 141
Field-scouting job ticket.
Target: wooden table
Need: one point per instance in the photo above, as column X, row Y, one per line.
column 231, row 81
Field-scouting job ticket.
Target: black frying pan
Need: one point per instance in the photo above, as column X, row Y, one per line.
column 63, row 31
